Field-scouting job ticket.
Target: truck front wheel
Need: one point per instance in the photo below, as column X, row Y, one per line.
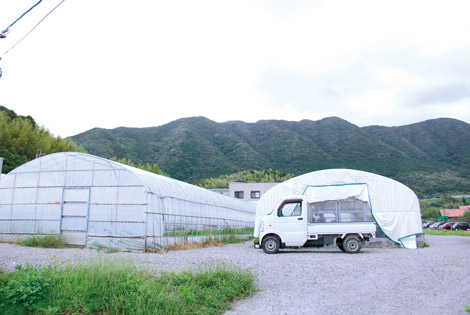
column 271, row 244
column 352, row 245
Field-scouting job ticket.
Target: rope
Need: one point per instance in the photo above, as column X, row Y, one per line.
column 32, row 28
column 7, row 30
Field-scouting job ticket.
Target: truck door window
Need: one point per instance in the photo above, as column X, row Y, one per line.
column 323, row 212
column 290, row 209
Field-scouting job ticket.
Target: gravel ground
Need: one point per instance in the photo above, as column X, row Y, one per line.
column 433, row 280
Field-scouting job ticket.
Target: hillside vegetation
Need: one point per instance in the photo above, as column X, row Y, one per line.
column 430, row 157
column 250, row 176
column 21, row 137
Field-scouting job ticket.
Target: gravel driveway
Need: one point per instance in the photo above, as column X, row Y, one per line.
column 433, row 280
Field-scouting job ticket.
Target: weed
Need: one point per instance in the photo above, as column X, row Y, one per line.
column 118, row 287
column 424, row 245
column 111, row 250
column 467, row 308
column 25, row 288
column 208, row 242
column 232, row 239
column 48, row 241
column 178, row 231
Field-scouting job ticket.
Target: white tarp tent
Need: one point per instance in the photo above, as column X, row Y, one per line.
column 91, row 201
column 394, row 206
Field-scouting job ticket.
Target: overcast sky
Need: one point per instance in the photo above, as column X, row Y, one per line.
column 143, row 63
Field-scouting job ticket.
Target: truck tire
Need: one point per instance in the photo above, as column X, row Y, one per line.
column 339, row 243
column 271, row 244
column 352, row 244
column 340, row 246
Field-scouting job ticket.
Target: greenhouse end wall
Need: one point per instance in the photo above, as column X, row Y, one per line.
column 94, row 202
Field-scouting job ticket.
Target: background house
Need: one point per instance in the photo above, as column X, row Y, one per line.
column 246, row 191
column 454, row 213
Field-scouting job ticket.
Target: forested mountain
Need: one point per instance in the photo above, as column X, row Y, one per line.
column 430, row 157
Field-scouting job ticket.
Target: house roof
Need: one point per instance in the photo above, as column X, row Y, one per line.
column 465, row 208
column 452, row 213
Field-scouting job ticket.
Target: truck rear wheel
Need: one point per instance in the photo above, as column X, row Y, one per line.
column 352, row 245
column 271, row 244
column 339, row 243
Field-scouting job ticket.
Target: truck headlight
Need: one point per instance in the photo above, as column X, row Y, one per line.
column 261, row 226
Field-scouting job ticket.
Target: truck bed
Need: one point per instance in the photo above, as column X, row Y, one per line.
column 341, row 228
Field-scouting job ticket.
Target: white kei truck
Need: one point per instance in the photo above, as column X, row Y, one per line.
column 296, row 223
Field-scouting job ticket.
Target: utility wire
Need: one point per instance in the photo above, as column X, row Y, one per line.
column 32, row 28
column 7, row 30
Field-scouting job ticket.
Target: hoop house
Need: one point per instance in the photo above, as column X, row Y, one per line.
column 350, row 196
column 91, row 201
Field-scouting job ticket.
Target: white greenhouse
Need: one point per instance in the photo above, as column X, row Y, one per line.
column 95, row 202
column 371, row 197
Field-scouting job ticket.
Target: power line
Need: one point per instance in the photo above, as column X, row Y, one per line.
column 33, row 27
column 7, row 30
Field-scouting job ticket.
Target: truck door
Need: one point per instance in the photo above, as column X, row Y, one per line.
column 291, row 222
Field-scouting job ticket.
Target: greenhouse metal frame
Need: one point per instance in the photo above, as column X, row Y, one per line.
column 94, row 202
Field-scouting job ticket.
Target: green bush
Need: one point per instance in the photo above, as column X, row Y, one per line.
column 118, row 287
column 24, row 290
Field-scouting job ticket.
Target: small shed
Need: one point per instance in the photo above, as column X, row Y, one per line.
column 92, row 201
column 394, row 207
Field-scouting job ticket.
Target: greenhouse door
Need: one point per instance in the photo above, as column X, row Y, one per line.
column 74, row 220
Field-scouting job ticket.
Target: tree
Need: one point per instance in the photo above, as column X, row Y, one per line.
column 250, row 176
column 20, row 137
column 149, row 167
column 466, row 217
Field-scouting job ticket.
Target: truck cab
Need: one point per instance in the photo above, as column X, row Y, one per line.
column 295, row 222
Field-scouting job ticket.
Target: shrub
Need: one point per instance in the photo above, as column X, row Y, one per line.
column 24, row 290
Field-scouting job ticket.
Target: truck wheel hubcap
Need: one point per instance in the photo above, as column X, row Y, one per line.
column 352, row 245
column 271, row 244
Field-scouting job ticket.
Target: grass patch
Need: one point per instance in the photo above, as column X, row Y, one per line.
column 446, row 232
column 48, row 241
column 178, row 231
column 234, row 239
column 118, row 287
column 424, row 245
column 467, row 308
column 208, row 242
column 111, row 250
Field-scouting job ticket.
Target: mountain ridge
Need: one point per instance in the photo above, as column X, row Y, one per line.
column 194, row 148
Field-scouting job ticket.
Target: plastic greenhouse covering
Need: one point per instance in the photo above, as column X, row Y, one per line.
column 394, row 207
column 91, row 201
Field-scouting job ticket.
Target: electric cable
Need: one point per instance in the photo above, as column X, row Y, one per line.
column 7, row 30
column 4, row 33
column 32, row 29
